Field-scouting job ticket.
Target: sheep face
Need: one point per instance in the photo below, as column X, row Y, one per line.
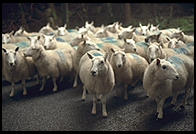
column 90, row 26
column 119, row 58
column 98, row 65
column 126, row 33
column 154, row 28
column 6, row 38
column 87, row 46
column 111, row 28
column 165, row 70
column 172, row 43
column 153, row 38
column 33, row 40
column 129, row 44
column 178, row 35
column 154, row 51
column 101, row 33
column 144, row 29
column 62, row 30
column 48, row 41
column 10, row 57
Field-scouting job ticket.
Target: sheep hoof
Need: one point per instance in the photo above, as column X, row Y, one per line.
column 11, row 94
column 55, row 89
column 24, row 93
column 105, row 115
column 93, row 112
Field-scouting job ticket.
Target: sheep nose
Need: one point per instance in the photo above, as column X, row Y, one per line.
column 146, row 40
column 119, row 65
column 11, row 64
column 45, row 47
column 119, row 37
column 134, row 49
column 177, row 77
column 152, row 60
column 93, row 73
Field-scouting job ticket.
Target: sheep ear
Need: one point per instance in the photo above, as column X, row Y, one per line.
column 148, row 25
column 82, row 36
column 38, row 37
column 11, row 33
column 133, row 30
column 4, row 50
column 157, row 26
column 125, row 40
column 168, row 38
column 48, row 24
column 77, row 28
column 16, row 49
column 92, row 22
column 90, row 56
column 65, row 26
column 106, row 56
column 84, row 42
column 28, row 38
column 159, row 35
column 158, row 62
column 140, row 24
column 113, row 51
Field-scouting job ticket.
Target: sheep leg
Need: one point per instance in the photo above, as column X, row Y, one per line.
column 55, row 85
column 125, row 92
column 43, row 83
column 104, row 111
column 160, row 108
column 94, row 104
column 84, row 94
column 37, row 78
column 75, row 80
column 173, row 102
column 12, row 90
column 61, row 79
column 24, row 87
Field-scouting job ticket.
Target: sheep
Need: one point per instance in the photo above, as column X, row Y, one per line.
column 10, row 38
column 154, row 28
column 143, row 30
column 97, row 77
column 61, row 31
column 169, row 32
column 185, row 38
column 130, row 34
column 164, row 78
column 157, row 37
column 83, row 47
column 175, row 43
column 47, row 30
column 53, row 63
column 16, row 67
column 139, row 48
column 128, row 68
column 156, row 51
column 22, row 32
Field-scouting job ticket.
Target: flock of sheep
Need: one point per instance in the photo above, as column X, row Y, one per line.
column 102, row 58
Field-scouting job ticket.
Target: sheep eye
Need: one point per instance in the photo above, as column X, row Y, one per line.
column 164, row 67
column 123, row 55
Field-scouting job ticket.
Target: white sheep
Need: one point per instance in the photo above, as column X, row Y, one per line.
column 97, row 77
column 168, row 78
column 185, row 38
column 10, row 38
column 16, row 67
column 128, row 68
column 53, row 63
column 47, row 30
column 83, row 47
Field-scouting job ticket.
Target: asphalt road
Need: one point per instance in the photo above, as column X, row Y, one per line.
column 64, row 111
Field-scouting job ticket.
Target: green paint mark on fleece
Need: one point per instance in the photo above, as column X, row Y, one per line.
column 61, row 55
column 97, row 54
column 22, row 44
column 72, row 30
column 176, row 61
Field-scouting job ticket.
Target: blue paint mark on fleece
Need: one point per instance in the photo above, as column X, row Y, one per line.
column 60, row 39
column 135, row 56
column 109, row 40
column 181, row 50
column 61, row 55
column 190, row 44
column 142, row 44
column 176, row 61
column 72, row 30
column 100, row 45
column 97, row 54
column 22, row 44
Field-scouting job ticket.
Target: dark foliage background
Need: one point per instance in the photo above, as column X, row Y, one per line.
column 32, row 16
